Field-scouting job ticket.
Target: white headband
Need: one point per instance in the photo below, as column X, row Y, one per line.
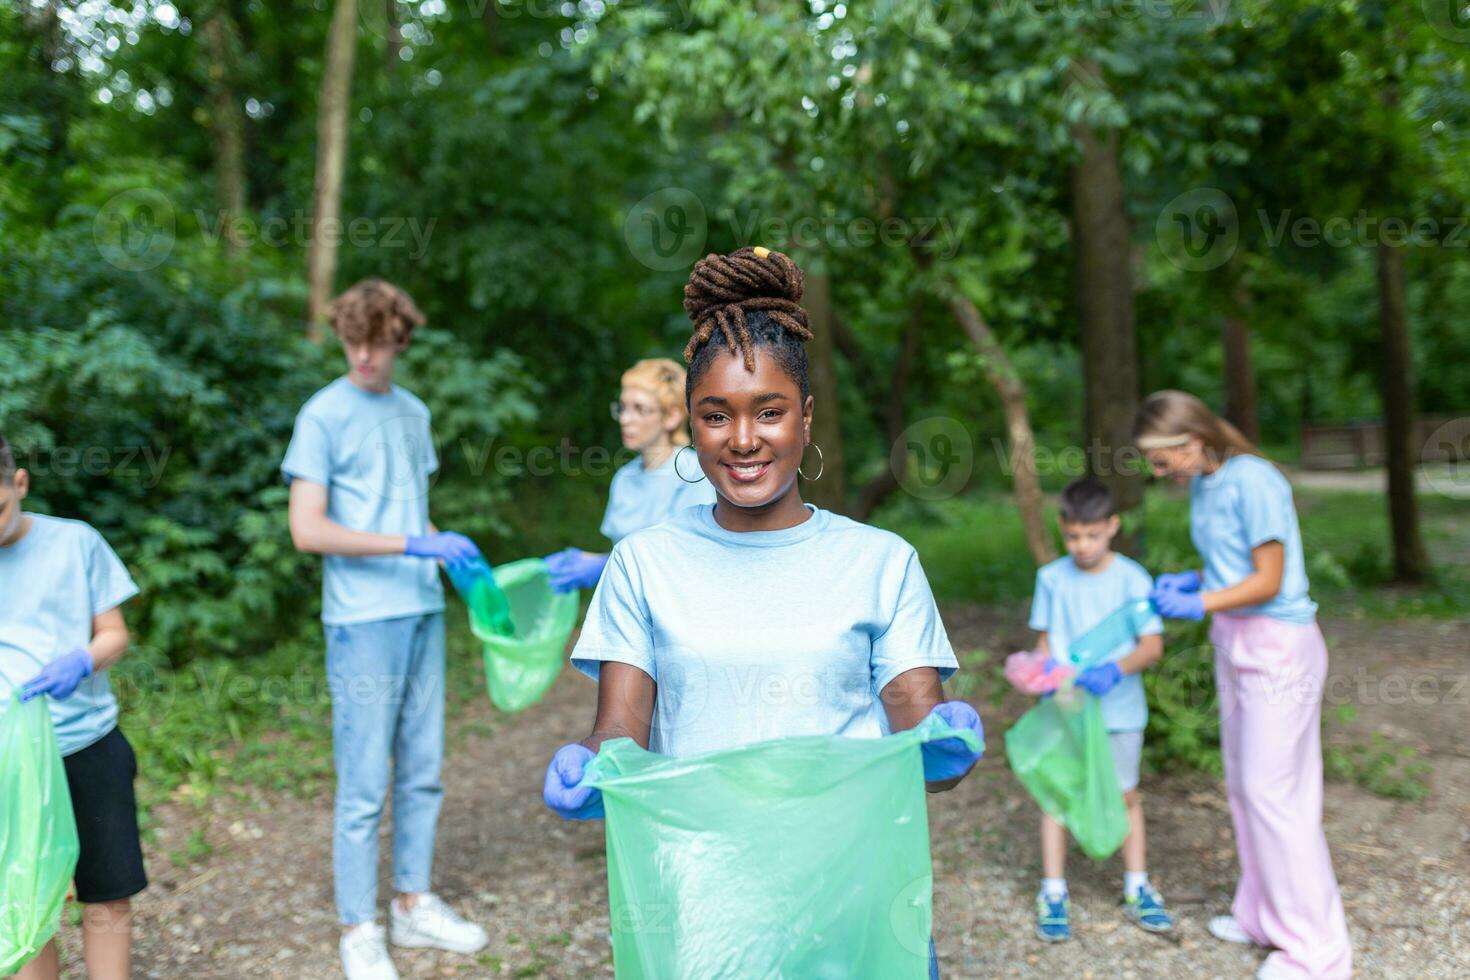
column 1162, row 442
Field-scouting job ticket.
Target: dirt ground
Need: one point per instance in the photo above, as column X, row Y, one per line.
column 260, row 904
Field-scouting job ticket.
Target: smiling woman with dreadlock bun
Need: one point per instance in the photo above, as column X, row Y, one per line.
column 829, row 622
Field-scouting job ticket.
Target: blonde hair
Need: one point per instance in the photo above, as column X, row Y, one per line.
column 1170, row 417
column 664, row 380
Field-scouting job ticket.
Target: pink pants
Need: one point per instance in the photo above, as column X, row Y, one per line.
column 1270, row 676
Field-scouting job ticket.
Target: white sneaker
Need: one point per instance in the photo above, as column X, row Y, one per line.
column 1224, row 927
column 432, row 924
column 364, row 954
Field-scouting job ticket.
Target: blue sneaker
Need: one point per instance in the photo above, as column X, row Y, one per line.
column 1146, row 910
column 1053, row 919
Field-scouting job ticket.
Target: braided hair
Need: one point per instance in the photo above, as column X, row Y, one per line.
column 747, row 299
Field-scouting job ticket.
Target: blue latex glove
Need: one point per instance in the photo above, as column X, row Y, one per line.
column 60, row 677
column 561, row 792
column 573, row 568
column 1173, row 604
column 947, row 758
column 1101, row 679
column 450, row 547
column 1179, row 581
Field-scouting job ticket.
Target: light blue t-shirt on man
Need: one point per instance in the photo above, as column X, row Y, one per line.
column 374, row 453
column 1241, row 506
column 53, row 581
column 1069, row 601
column 763, row 634
column 640, row 498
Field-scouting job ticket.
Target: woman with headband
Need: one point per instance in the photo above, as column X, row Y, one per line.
column 1270, row 666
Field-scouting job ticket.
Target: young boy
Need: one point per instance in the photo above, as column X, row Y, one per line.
column 359, row 464
column 1074, row 594
column 61, row 627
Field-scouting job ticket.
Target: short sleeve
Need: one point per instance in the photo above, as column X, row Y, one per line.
column 618, row 627
column 309, row 454
column 1140, row 584
column 1041, row 603
column 108, row 583
column 1265, row 507
column 915, row 635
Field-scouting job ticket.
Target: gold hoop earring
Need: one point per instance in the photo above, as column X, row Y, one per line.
column 677, row 454
column 821, row 465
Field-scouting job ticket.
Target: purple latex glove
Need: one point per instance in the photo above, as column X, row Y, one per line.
column 946, row 758
column 60, row 677
column 1179, row 581
column 573, row 568
column 1173, row 604
column 561, row 792
column 450, row 547
column 1101, row 679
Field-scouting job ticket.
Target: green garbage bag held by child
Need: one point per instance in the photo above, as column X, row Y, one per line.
column 797, row 857
column 1059, row 751
column 521, row 624
column 38, row 832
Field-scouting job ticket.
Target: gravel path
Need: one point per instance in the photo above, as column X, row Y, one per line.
column 260, row 904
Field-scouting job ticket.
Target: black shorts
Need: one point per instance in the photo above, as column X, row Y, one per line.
column 100, row 776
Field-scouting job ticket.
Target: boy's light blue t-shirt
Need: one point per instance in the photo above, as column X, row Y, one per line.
column 53, row 581
column 1069, row 601
column 763, row 634
column 1242, row 505
column 640, row 498
column 374, row 453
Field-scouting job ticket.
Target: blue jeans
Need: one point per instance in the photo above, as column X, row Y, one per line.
column 386, row 679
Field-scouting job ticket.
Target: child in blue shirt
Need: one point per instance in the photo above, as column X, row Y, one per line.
column 1074, row 594
column 61, row 627
column 359, row 464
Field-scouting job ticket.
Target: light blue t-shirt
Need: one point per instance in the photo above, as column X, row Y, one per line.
column 53, row 581
column 374, row 453
column 763, row 634
column 1069, row 601
column 640, row 498
column 1242, row 505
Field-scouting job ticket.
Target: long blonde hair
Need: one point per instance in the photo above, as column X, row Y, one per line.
column 1169, row 417
column 664, row 380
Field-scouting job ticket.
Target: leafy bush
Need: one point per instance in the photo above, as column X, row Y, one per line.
column 158, row 408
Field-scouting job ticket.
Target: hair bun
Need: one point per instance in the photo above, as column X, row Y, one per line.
column 723, row 288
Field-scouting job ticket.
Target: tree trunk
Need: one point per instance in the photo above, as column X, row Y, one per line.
column 227, row 125
column 878, row 489
column 1410, row 563
column 1104, row 284
column 1018, row 424
column 1240, row 378
column 331, row 157
column 395, row 34
column 830, row 491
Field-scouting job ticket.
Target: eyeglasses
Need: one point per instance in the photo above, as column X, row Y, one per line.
column 639, row 411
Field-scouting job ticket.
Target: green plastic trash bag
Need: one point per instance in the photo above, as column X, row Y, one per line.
column 1120, row 626
column 803, row 857
column 1059, row 751
column 38, row 833
column 522, row 626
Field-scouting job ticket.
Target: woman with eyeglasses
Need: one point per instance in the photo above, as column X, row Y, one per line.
column 648, row 489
